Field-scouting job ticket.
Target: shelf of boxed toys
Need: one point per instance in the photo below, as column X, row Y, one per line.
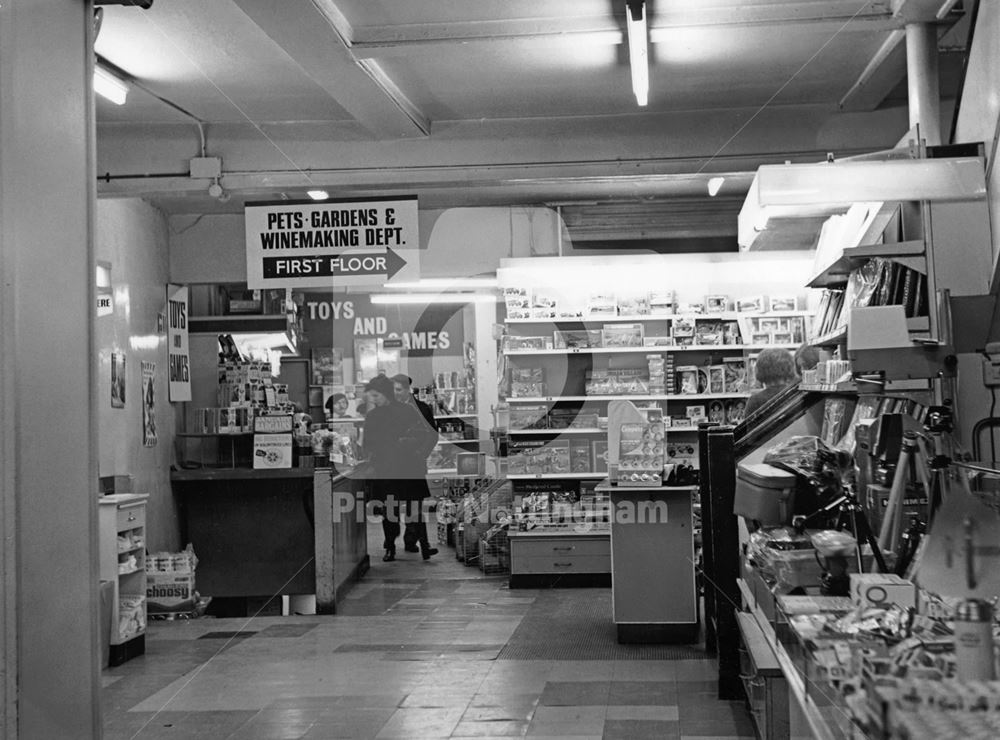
column 570, row 430
column 562, row 432
column 650, row 349
column 643, row 397
column 725, row 316
column 557, row 476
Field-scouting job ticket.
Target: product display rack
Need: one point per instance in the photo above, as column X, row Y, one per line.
column 441, row 463
column 645, row 349
column 631, row 397
column 937, row 243
column 900, row 259
column 231, row 308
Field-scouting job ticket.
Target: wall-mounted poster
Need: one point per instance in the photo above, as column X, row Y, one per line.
column 365, row 358
column 148, row 404
column 371, row 357
column 328, row 366
column 118, row 380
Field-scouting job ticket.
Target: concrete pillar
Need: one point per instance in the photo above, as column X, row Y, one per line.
column 50, row 679
column 922, row 81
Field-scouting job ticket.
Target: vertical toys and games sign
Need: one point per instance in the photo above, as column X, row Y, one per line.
column 178, row 353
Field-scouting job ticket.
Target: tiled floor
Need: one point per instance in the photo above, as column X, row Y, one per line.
column 419, row 650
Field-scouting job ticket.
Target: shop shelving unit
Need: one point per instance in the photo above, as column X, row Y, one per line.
column 122, row 528
column 542, row 554
column 568, row 365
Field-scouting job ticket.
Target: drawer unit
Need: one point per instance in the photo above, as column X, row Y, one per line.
column 562, row 564
column 131, row 516
column 563, row 546
column 553, row 553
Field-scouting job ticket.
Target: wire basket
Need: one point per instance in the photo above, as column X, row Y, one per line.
column 489, row 503
column 494, row 551
column 459, row 531
column 467, row 536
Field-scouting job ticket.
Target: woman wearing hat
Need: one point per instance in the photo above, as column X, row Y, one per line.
column 395, row 443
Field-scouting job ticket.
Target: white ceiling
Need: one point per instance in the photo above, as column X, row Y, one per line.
column 498, row 101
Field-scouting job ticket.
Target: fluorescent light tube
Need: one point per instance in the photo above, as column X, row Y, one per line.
column 109, row 86
column 439, row 283
column 318, row 194
column 714, row 184
column 387, row 298
column 638, row 49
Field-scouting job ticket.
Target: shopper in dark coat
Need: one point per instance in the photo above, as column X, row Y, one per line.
column 395, row 436
column 402, row 388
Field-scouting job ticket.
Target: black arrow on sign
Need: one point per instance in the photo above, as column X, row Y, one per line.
column 393, row 263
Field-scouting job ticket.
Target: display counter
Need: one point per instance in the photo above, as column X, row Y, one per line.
column 257, row 535
column 652, row 563
column 795, row 709
column 341, row 533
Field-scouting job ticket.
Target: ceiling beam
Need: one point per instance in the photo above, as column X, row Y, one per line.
column 312, row 38
column 887, row 67
column 882, row 73
column 922, row 11
column 831, row 17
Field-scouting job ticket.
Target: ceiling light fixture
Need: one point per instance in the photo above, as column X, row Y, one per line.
column 714, row 184
column 109, row 86
column 638, row 48
column 318, row 194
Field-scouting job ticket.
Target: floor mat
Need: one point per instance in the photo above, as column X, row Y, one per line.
column 577, row 624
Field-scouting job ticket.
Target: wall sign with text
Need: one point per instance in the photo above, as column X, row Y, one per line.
column 331, row 243
column 178, row 353
column 339, row 320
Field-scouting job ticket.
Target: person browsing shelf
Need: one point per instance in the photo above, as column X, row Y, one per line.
column 775, row 371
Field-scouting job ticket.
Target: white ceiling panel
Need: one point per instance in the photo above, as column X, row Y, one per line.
column 301, row 90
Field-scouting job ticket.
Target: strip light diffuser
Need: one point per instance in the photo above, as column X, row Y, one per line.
column 109, row 86
column 638, row 49
column 427, row 298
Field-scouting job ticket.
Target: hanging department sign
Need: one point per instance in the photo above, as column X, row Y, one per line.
column 331, row 243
